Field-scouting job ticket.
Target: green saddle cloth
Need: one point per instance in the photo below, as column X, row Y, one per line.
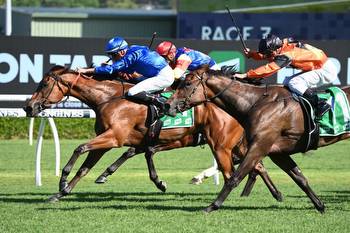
column 181, row 120
column 337, row 120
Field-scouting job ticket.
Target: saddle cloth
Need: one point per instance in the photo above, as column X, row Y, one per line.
column 337, row 120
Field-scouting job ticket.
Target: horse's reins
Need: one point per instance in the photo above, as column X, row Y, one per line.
column 207, row 99
column 57, row 79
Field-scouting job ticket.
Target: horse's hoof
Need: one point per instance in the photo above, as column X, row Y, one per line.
column 211, row 208
column 53, row 199
column 279, row 197
column 63, row 185
column 321, row 208
column 162, row 186
column 196, row 181
column 101, row 180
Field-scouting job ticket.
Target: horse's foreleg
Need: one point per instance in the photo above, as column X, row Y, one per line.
column 287, row 164
column 68, row 167
column 131, row 152
column 102, row 141
column 261, row 170
column 254, row 155
column 92, row 158
column 161, row 185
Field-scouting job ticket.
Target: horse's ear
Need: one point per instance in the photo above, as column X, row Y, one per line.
column 229, row 70
column 57, row 69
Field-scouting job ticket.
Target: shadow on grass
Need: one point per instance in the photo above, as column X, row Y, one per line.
column 342, row 196
column 144, row 200
column 177, row 208
column 30, row 198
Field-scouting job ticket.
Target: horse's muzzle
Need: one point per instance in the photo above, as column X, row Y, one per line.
column 171, row 112
column 33, row 109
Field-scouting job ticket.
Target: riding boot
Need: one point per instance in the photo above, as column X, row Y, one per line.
column 320, row 105
column 147, row 98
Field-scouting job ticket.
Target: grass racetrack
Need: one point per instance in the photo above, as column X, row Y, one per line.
column 129, row 202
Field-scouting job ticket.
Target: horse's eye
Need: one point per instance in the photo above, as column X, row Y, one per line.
column 43, row 85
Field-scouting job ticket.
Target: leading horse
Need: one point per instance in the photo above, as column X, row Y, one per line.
column 272, row 119
column 120, row 122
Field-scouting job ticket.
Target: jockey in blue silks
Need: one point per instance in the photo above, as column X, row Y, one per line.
column 156, row 73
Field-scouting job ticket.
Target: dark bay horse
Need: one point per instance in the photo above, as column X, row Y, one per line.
column 272, row 119
column 120, row 122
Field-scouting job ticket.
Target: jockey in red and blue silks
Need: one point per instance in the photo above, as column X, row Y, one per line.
column 183, row 59
column 156, row 72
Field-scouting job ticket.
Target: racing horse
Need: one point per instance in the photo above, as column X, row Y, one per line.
column 272, row 119
column 120, row 122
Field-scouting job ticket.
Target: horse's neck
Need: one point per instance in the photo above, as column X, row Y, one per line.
column 238, row 99
column 93, row 92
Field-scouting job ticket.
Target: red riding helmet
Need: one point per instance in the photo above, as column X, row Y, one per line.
column 165, row 48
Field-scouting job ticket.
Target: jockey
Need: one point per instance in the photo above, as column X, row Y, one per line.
column 316, row 68
column 183, row 59
column 156, row 72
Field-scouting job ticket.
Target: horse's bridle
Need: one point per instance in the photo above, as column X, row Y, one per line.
column 57, row 79
column 202, row 82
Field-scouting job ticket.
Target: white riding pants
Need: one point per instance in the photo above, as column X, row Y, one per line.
column 163, row 80
column 298, row 83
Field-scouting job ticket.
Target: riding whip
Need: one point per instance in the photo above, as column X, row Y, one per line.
column 153, row 36
column 237, row 28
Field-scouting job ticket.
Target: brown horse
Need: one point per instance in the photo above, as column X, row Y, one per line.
column 272, row 119
column 120, row 122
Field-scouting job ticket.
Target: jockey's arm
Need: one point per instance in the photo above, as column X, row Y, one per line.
column 254, row 54
column 182, row 63
column 267, row 70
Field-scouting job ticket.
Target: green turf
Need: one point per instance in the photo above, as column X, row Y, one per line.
column 129, row 202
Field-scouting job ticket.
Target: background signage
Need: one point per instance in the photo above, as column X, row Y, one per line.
column 303, row 26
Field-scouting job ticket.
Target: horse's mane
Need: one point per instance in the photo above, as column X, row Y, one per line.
column 59, row 70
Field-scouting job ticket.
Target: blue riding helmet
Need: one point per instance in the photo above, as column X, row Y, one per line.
column 116, row 44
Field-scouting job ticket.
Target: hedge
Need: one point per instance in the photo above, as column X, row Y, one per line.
column 68, row 128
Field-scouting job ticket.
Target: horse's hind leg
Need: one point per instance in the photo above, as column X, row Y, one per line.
column 261, row 170
column 92, row 158
column 131, row 152
column 287, row 164
column 250, row 184
column 161, row 185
